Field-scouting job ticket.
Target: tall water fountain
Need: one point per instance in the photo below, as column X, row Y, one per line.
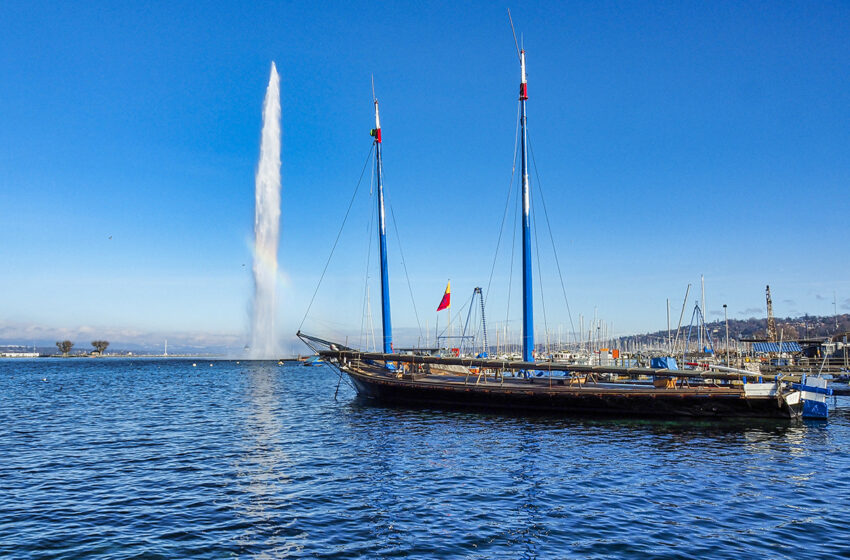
column 263, row 343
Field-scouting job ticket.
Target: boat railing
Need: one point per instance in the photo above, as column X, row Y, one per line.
column 539, row 369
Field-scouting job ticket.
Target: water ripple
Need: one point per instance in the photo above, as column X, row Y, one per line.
column 122, row 459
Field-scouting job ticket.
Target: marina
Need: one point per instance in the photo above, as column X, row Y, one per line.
column 234, row 327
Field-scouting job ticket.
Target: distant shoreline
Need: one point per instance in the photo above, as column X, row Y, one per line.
column 218, row 357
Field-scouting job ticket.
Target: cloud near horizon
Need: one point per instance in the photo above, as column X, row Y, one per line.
column 752, row 311
column 27, row 333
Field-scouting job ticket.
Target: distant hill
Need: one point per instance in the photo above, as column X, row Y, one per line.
column 791, row 328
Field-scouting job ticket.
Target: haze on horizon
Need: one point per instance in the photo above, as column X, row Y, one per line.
column 670, row 141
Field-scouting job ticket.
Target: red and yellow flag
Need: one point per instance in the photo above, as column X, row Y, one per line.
column 447, row 298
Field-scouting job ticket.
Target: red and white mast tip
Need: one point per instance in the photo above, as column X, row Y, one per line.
column 523, row 85
column 376, row 132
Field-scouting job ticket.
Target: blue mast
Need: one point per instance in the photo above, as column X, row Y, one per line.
column 527, row 296
column 382, row 242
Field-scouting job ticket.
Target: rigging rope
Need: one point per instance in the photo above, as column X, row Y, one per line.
column 513, row 251
column 540, row 279
column 475, row 327
column 551, row 237
column 350, row 204
column 367, row 305
column 406, row 275
column 401, row 252
column 507, row 203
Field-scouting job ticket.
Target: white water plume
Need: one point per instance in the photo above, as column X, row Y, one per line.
column 267, row 227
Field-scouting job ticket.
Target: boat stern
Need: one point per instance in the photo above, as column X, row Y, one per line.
column 813, row 393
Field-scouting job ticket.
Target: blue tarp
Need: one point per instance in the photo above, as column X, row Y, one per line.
column 774, row 347
column 664, row 363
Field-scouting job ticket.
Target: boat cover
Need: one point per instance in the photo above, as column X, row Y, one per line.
column 774, row 347
column 665, row 362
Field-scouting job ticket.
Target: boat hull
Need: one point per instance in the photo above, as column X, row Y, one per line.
column 570, row 400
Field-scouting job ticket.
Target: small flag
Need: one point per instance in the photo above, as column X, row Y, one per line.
column 447, row 298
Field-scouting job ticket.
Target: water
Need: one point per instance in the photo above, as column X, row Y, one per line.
column 113, row 458
column 267, row 226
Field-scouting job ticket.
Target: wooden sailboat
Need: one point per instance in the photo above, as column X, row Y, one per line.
column 526, row 385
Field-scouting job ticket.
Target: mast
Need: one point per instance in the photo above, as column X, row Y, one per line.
column 527, row 296
column 386, row 324
column 703, row 331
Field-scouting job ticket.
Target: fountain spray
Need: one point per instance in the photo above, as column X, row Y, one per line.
column 267, row 227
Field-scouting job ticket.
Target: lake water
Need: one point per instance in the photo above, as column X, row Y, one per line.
column 114, row 458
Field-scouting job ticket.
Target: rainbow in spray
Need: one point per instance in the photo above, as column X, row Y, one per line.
column 263, row 343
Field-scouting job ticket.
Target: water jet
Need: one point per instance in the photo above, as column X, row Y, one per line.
column 263, row 343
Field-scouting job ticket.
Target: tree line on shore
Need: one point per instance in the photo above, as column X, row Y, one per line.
column 788, row 328
column 65, row 346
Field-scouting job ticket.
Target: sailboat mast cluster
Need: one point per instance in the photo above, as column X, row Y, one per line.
column 420, row 377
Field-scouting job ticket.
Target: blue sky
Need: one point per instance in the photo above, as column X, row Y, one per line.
column 672, row 139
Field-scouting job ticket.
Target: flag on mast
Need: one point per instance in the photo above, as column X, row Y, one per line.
column 447, row 298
